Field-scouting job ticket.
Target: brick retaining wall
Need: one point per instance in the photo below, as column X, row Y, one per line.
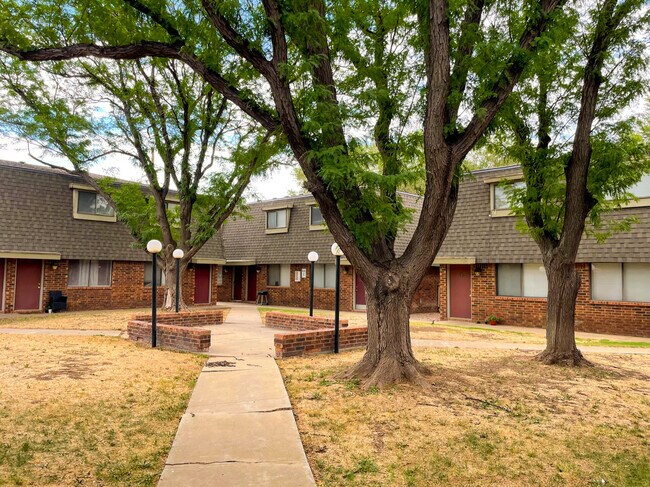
column 296, row 322
column 186, row 318
column 169, row 336
column 297, row 343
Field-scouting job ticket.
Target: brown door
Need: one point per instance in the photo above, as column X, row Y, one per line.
column 252, row 283
column 238, row 280
column 460, row 289
column 28, row 284
column 201, row 284
column 359, row 293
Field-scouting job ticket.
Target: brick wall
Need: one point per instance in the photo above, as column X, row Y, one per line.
column 426, row 295
column 287, row 321
column 297, row 343
column 169, row 336
column 186, row 318
column 614, row 317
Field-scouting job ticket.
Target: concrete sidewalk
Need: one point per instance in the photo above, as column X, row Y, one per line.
column 239, row 428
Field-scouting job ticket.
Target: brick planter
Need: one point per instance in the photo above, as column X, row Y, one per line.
column 289, row 321
column 187, row 318
column 170, row 336
column 298, row 343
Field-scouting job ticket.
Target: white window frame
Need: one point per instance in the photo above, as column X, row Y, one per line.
column 322, row 268
column 162, row 275
column 640, row 201
column 76, row 188
column 312, row 225
column 500, row 212
column 621, row 266
column 95, row 262
column 267, row 211
column 521, row 286
column 219, row 275
column 285, row 273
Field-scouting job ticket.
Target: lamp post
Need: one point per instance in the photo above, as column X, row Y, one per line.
column 336, row 250
column 313, row 258
column 178, row 255
column 153, row 247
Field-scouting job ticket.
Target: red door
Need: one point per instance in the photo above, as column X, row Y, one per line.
column 28, row 284
column 252, row 283
column 238, row 280
column 201, row 284
column 359, row 293
column 460, row 289
column 2, row 285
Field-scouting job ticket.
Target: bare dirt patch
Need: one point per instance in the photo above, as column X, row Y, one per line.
column 88, row 410
column 491, row 417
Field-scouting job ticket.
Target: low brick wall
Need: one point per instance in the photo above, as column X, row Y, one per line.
column 289, row 321
column 170, row 336
column 187, row 318
column 297, row 343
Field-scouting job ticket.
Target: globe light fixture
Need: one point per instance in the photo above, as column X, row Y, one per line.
column 153, row 247
column 178, row 254
column 336, row 250
column 312, row 257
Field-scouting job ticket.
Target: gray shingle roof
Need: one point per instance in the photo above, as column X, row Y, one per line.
column 36, row 216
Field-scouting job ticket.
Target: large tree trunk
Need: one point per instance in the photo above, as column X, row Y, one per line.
column 563, row 286
column 389, row 357
column 169, row 303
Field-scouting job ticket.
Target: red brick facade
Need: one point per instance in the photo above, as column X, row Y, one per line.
column 186, row 318
column 127, row 289
column 286, row 321
column 170, row 337
column 621, row 318
column 297, row 293
column 297, row 343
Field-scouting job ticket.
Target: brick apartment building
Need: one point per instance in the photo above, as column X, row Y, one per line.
column 492, row 268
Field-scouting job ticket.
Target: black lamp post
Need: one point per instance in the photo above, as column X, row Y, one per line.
column 178, row 255
column 336, row 250
column 153, row 247
column 313, row 258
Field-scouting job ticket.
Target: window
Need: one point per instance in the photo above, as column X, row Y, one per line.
column 220, row 275
column 315, row 217
column 160, row 276
column 279, row 275
column 500, row 194
column 89, row 273
column 527, row 280
column 325, row 276
column 642, row 188
column 90, row 203
column 620, row 282
column 276, row 219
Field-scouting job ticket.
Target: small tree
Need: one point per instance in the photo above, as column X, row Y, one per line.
column 579, row 150
column 164, row 118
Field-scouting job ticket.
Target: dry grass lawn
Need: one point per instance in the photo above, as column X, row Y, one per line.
column 491, row 418
column 88, row 410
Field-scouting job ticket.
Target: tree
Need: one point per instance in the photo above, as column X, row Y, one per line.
column 569, row 126
column 178, row 130
column 419, row 80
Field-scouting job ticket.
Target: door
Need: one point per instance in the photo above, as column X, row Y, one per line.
column 2, row 285
column 252, row 283
column 28, row 284
column 201, row 284
column 238, row 280
column 460, row 290
column 359, row 293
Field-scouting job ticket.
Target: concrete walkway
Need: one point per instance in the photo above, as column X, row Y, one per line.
column 239, row 428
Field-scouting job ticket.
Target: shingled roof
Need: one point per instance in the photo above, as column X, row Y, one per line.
column 476, row 235
column 36, row 216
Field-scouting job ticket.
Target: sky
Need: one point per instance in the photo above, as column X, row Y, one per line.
column 279, row 183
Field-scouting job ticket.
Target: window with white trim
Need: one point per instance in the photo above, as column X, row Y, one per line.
column 220, row 275
column 276, row 219
column 315, row 216
column 91, row 203
column 620, row 282
column 500, row 193
column 89, row 273
column 325, row 276
column 279, row 275
column 160, row 275
column 527, row 280
column 642, row 188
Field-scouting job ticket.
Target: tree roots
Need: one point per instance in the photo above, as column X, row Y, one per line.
column 572, row 358
column 388, row 371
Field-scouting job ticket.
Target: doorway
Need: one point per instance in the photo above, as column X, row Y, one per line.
column 251, row 285
column 29, row 277
column 237, row 283
column 460, row 291
column 359, row 293
column 202, row 283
